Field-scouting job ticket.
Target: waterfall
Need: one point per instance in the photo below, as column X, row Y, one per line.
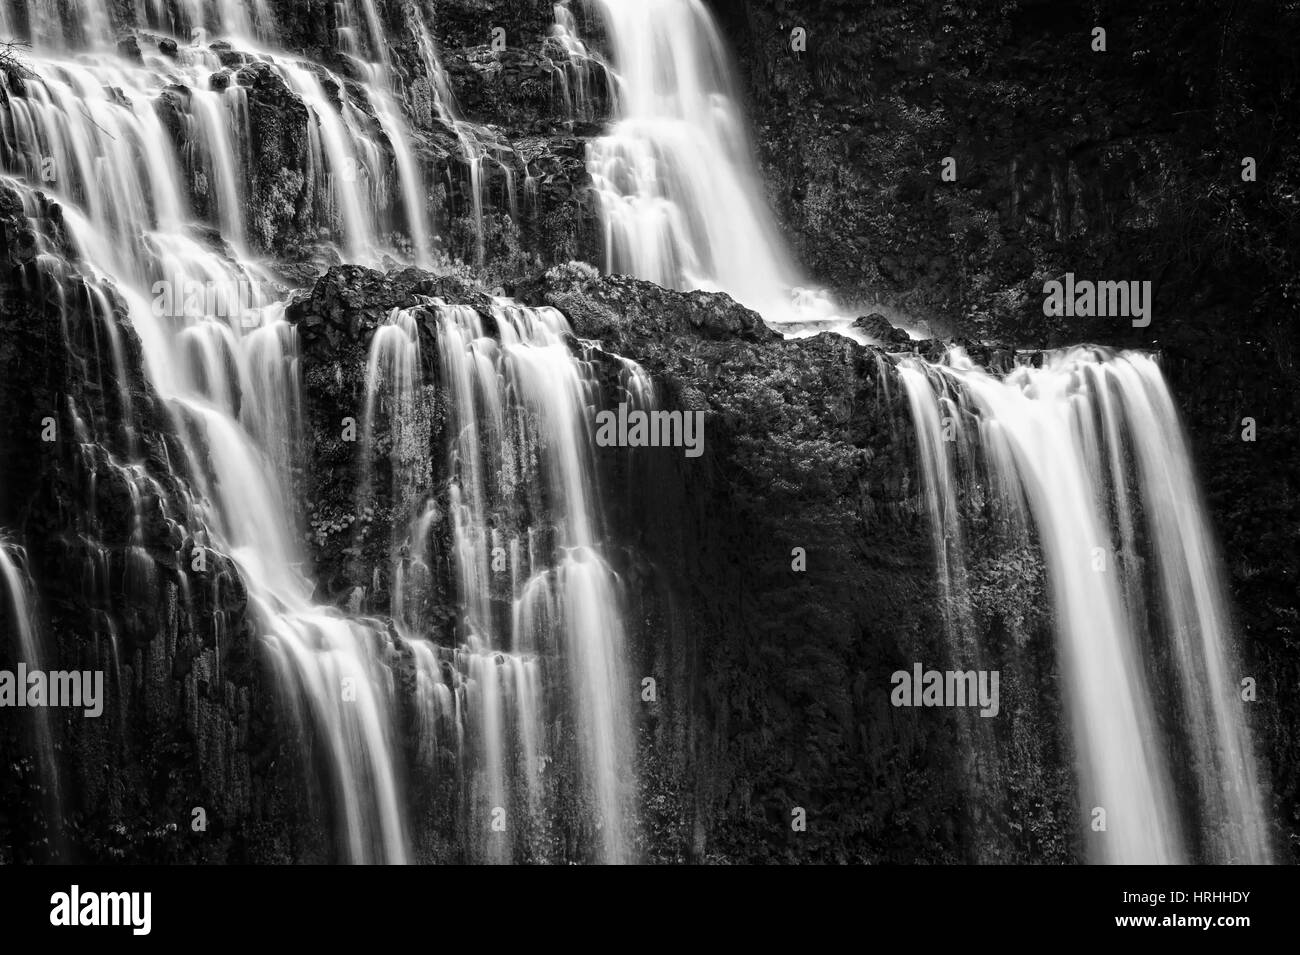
column 467, row 668
column 474, row 146
column 19, row 617
column 543, row 613
column 149, row 158
column 1088, row 452
column 680, row 196
column 576, row 73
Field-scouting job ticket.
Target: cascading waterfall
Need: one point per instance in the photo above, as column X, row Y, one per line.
column 474, row 146
column 1088, row 451
column 18, row 611
column 534, row 591
column 577, row 72
column 19, row 617
column 218, row 350
column 391, row 122
column 225, row 373
column 560, row 391
column 680, row 196
column 149, row 156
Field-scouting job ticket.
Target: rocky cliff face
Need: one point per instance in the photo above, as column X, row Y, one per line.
column 1124, row 164
column 123, row 585
column 775, row 698
column 495, row 132
column 778, row 579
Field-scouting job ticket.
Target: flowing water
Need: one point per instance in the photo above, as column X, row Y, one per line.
column 680, row 196
column 537, row 594
column 20, row 618
column 90, row 127
column 477, row 147
column 580, row 68
column 1088, row 451
column 150, row 156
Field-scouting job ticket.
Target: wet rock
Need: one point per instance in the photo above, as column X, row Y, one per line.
column 878, row 327
column 182, row 682
column 129, row 47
